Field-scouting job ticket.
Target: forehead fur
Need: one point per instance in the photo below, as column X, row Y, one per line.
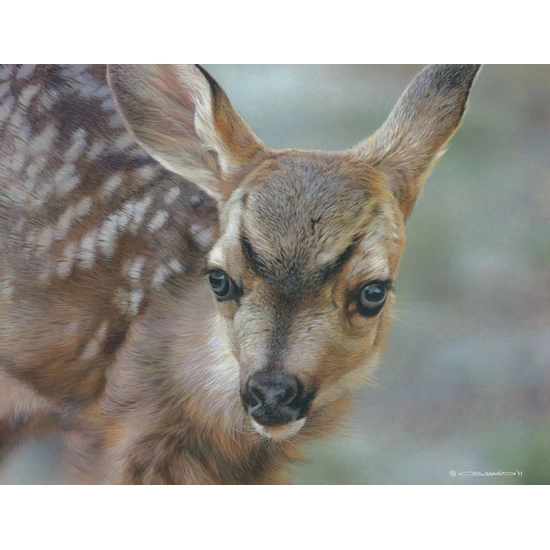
column 303, row 211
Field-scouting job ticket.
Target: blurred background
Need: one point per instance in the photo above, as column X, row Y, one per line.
column 463, row 392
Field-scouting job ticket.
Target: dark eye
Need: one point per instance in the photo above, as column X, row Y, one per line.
column 371, row 298
column 222, row 285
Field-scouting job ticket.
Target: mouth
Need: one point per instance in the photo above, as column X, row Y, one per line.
column 280, row 432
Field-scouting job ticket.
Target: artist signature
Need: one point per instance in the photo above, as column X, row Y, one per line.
column 500, row 473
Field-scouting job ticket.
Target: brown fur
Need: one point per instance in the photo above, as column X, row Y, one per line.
column 109, row 330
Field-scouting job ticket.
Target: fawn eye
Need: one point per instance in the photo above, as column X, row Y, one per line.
column 222, row 285
column 371, row 298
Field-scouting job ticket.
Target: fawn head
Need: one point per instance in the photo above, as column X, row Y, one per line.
column 310, row 242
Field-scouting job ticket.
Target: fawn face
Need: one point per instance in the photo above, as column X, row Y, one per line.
column 303, row 273
column 310, row 242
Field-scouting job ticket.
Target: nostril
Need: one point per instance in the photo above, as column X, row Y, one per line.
column 253, row 397
column 272, row 389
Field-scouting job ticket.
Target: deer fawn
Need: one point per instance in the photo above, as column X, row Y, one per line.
column 184, row 303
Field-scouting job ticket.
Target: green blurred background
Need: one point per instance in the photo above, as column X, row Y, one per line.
column 464, row 385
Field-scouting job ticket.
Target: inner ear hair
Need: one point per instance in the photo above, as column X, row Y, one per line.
column 183, row 119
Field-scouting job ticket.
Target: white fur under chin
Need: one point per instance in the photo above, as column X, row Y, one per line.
column 279, row 433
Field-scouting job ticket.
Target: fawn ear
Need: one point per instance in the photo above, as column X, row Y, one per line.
column 413, row 137
column 184, row 120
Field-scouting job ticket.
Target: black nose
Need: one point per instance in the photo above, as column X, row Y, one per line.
column 276, row 398
column 272, row 390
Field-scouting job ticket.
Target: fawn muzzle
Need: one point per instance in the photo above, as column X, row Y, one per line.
column 276, row 398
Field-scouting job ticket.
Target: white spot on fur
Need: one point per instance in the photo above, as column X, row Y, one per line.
column 6, row 108
column 25, row 71
column 111, row 185
column 19, row 225
column 83, row 207
column 160, row 275
column 73, row 213
column 47, row 99
column 195, row 200
column 136, row 297
column 45, row 239
column 6, row 287
column 44, row 140
column 124, row 141
column 172, row 195
column 5, row 88
column 146, row 172
column 68, row 185
column 115, row 121
column 35, row 167
column 64, row 222
column 93, row 347
column 204, row 236
column 65, row 265
column 128, row 303
column 30, row 239
column 91, row 350
column 138, row 209
column 108, row 104
column 86, row 254
column 65, row 179
column 6, row 71
column 47, row 269
column 27, row 94
column 108, row 235
column 17, row 162
column 123, row 219
column 19, row 121
column 133, row 271
column 36, row 200
column 158, row 220
column 103, row 91
column 175, row 265
column 90, row 85
column 78, row 144
column 102, row 331
column 96, row 149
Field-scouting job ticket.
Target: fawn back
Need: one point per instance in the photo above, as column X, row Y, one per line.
column 91, row 228
column 185, row 303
